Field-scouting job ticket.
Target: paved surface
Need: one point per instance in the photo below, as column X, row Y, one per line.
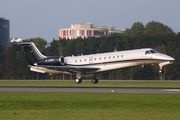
column 88, row 89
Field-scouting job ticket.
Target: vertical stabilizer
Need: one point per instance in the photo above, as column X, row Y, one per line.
column 32, row 53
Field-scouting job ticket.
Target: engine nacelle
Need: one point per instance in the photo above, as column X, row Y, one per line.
column 54, row 60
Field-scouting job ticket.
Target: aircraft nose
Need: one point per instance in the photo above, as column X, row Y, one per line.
column 172, row 59
column 166, row 57
column 169, row 58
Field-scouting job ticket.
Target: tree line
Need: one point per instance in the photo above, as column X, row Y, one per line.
column 13, row 64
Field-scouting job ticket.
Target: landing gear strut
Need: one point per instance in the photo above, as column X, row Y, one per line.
column 163, row 64
column 161, row 67
column 161, row 72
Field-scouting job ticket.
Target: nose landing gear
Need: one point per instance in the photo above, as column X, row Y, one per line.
column 161, row 71
column 163, row 64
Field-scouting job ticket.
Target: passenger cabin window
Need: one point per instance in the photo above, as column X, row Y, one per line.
column 104, row 57
column 99, row 58
column 84, row 60
column 75, row 61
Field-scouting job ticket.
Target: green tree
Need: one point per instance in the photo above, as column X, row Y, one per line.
column 156, row 28
column 2, row 59
column 11, row 65
column 137, row 29
column 53, row 48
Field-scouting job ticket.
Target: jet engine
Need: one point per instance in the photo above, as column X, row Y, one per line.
column 55, row 61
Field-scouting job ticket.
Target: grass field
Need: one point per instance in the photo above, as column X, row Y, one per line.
column 89, row 106
column 102, row 83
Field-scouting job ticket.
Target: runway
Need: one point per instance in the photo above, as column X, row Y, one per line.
column 89, row 89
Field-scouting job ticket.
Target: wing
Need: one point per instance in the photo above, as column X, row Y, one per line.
column 73, row 68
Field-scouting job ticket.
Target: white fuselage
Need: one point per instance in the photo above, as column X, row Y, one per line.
column 116, row 60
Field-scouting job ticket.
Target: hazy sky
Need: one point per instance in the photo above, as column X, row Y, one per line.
column 43, row 18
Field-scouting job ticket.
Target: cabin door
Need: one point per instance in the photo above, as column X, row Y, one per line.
column 90, row 60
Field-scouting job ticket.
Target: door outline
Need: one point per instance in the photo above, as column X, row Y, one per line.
column 90, row 60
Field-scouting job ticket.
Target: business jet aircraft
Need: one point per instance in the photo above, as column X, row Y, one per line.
column 90, row 65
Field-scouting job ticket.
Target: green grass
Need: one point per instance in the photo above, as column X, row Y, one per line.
column 89, row 106
column 102, row 83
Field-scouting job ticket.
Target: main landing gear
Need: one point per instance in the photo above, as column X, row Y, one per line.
column 79, row 75
column 78, row 80
column 94, row 80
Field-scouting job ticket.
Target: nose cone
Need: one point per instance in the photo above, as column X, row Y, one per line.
column 171, row 58
column 163, row 57
column 166, row 57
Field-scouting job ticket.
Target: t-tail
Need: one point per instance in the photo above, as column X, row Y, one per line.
column 35, row 57
column 32, row 53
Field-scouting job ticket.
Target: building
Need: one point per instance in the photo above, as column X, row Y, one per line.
column 86, row 30
column 4, row 32
column 15, row 39
column 111, row 29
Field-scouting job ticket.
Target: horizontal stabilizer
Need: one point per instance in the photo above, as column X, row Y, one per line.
column 37, row 69
column 46, row 70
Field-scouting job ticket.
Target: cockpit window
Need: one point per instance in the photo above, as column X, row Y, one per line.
column 147, row 52
column 153, row 51
column 150, row 52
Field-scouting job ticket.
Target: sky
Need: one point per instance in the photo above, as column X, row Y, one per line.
column 44, row 18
